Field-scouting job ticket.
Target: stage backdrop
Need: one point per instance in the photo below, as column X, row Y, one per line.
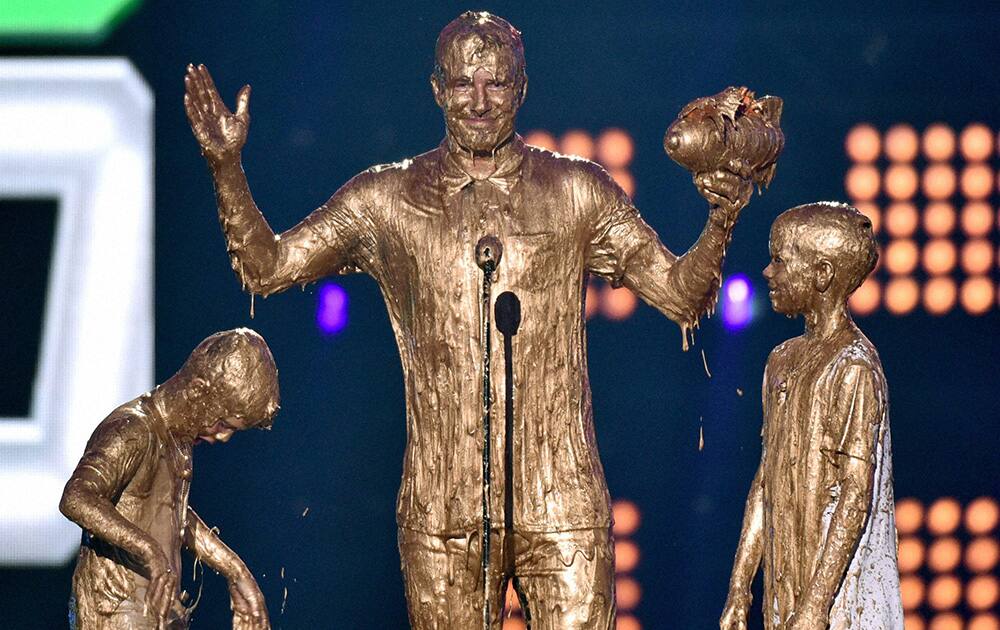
column 893, row 108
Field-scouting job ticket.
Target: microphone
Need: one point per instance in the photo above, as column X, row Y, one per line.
column 489, row 251
column 508, row 313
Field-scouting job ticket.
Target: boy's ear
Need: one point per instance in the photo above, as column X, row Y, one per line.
column 824, row 275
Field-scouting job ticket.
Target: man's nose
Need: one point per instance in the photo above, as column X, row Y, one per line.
column 480, row 103
column 767, row 273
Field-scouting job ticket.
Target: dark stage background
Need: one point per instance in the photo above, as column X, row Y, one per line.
column 338, row 87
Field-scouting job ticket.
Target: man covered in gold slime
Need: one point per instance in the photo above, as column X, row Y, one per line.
column 820, row 510
column 129, row 492
column 413, row 226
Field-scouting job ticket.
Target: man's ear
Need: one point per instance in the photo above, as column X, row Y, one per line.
column 824, row 275
column 524, row 91
column 438, row 89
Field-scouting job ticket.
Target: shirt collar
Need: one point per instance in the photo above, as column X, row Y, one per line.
column 507, row 174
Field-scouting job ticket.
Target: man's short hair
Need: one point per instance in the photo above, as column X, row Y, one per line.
column 838, row 232
column 495, row 32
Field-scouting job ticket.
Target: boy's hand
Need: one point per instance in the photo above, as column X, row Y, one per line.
column 161, row 591
column 734, row 615
column 809, row 618
column 249, row 609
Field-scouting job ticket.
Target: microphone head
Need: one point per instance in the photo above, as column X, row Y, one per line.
column 507, row 312
column 489, row 251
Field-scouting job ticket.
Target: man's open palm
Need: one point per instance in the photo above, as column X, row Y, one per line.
column 220, row 132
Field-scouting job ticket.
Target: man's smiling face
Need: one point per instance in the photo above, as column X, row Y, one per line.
column 479, row 90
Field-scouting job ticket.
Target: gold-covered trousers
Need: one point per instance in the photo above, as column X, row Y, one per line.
column 564, row 580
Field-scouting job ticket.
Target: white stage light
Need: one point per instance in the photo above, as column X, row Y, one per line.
column 79, row 131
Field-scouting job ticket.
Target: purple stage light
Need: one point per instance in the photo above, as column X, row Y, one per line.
column 331, row 309
column 737, row 302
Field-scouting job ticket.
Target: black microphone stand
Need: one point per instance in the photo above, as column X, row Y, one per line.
column 508, row 318
column 488, row 254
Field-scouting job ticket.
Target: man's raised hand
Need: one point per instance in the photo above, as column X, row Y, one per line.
column 220, row 132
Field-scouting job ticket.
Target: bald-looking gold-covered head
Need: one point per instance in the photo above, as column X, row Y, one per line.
column 821, row 250
column 479, row 81
column 228, row 383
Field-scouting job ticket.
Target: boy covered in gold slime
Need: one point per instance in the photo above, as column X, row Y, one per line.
column 413, row 226
column 129, row 492
column 820, row 509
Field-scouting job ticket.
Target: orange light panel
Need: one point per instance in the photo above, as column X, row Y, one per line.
column 909, row 515
column 982, row 515
column 982, row 555
column 617, row 303
column 944, row 555
column 976, row 142
column 946, row 621
column 863, row 143
column 977, row 218
column 985, row 621
column 976, row 295
column 901, row 182
column 939, row 256
column 615, row 148
column 939, row 218
column 626, row 516
column 626, row 556
column 901, row 256
column 977, row 181
column 628, row 593
column 911, row 590
column 939, row 142
column 940, row 295
column 627, row 622
column 911, row 554
column 939, row 181
column 510, row 598
column 977, row 256
column 901, row 143
column 982, row 592
column 862, row 182
column 945, row 592
column 901, row 219
column 901, row 295
column 871, row 211
column 578, row 143
column 542, row 139
column 514, row 623
column 866, row 298
column 943, row 516
column 591, row 301
column 624, row 179
column 913, row 621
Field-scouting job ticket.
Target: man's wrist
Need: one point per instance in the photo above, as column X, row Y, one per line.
column 222, row 162
column 739, row 596
column 722, row 218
